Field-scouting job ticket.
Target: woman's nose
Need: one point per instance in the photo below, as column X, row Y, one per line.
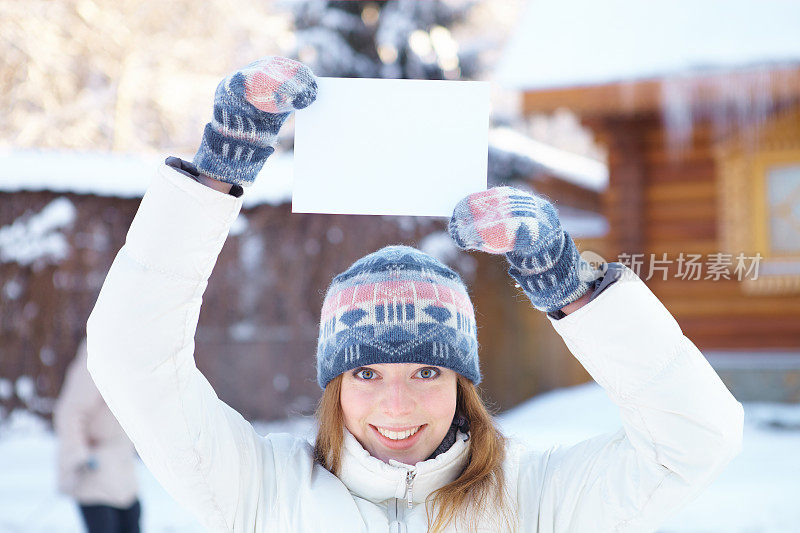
column 398, row 400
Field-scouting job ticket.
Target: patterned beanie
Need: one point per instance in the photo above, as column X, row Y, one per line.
column 397, row 305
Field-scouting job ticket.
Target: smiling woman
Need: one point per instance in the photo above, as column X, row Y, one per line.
column 405, row 443
column 399, row 411
column 397, row 358
column 481, row 483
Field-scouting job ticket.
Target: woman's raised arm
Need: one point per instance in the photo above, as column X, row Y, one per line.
column 141, row 332
column 681, row 426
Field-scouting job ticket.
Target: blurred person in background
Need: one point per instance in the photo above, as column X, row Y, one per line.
column 96, row 460
column 405, row 443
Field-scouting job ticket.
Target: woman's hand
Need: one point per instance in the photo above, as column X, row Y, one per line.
column 250, row 106
column 526, row 229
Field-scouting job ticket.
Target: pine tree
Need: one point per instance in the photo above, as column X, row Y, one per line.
column 406, row 39
column 382, row 39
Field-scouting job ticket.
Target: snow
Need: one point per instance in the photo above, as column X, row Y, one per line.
column 281, row 382
column 121, row 175
column 239, row 226
column 243, row 331
column 26, row 389
column 410, row 39
column 441, row 246
column 34, row 238
column 773, row 360
column 6, row 389
column 757, row 492
column 251, row 251
column 568, row 166
column 743, row 104
column 47, row 356
column 100, row 173
column 335, row 235
column 12, row 289
column 585, row 42
column 407, row 224
column 128, row 175
column 582, row 224
column 30, row 503
column 273, row 185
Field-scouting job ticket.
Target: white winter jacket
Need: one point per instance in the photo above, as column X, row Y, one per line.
column 681, row 425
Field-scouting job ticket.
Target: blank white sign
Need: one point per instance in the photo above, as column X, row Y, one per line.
column 390, row 147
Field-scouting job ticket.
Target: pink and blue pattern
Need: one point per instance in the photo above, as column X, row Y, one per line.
column 397, row 305
column 250, row 106
column 526, row 229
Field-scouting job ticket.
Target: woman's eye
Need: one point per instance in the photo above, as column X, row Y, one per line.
column 427, row 373
column 365, row 373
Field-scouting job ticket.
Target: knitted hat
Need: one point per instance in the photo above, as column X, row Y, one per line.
column 397, row 305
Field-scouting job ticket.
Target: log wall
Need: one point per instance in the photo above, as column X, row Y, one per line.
column 663, row 201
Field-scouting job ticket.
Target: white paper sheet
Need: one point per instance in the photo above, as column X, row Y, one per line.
column 390, row 147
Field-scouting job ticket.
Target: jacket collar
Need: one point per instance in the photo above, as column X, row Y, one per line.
column 372, row 479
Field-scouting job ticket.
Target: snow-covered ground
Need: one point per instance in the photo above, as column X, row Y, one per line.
column 757, row 493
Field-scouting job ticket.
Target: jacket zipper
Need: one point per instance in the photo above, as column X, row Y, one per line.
column 409, row 486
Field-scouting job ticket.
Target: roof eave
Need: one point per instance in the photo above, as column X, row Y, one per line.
column 647, row 96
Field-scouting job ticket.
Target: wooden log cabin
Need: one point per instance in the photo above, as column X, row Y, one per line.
column 700, row 115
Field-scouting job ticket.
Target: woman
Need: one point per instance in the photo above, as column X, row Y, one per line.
column 96, row 460
column 404, row 442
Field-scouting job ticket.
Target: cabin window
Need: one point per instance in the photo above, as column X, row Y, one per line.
column 759, row 202
column 782, row 183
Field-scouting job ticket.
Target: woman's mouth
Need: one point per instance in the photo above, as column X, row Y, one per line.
column 398, row 439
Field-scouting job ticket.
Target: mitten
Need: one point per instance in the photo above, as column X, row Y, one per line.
column 250, row 106
column 525, row 228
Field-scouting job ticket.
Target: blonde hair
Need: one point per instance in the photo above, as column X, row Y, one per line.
column 480, row 487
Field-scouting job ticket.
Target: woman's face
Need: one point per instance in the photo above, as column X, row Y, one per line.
column 399, row 411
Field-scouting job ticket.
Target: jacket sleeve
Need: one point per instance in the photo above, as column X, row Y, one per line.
column 141, row 356
column 681, row 426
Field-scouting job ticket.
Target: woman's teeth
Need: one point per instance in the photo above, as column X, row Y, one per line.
column 397, row 435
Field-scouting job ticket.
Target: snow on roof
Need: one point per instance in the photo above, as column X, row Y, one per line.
column 568, row 166
column 586, row 42
column 582, row 224
column 100, row 173
column 128, row 175
column 120, row 175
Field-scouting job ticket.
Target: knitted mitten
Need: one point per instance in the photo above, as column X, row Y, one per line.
column 250, row 106
column 524, row 227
